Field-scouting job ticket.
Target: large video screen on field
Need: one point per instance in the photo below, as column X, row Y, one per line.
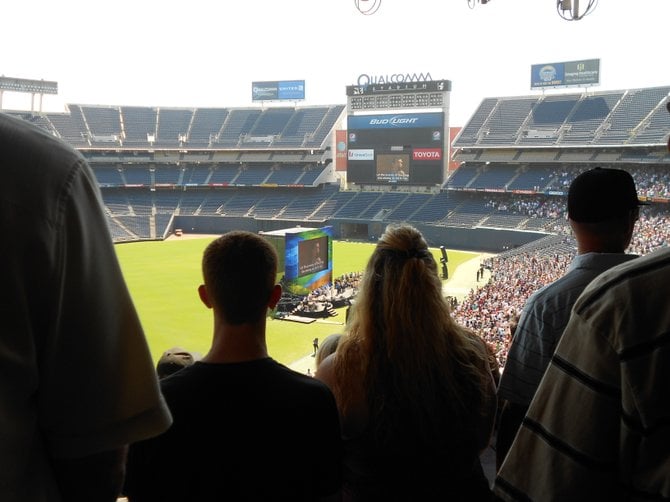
column 309, row 259
column 312, row 256
column 404, row 148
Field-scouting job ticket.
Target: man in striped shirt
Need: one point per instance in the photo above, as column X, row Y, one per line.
column 598, row 427
column 602, row 211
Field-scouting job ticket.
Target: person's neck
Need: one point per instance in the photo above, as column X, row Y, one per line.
column 237, row 343
column 583, row 248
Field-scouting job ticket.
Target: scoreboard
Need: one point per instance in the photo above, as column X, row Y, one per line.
column 398, row 95
column 401, row 149
column 398, row 133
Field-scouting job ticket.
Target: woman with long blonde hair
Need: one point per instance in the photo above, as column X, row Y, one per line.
column 414, row 388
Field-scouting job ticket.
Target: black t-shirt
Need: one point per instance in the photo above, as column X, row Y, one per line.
column 243, row 431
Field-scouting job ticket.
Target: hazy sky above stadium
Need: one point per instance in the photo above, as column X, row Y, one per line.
column 207, row 53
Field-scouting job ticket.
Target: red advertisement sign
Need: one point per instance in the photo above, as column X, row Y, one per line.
column 427, row 154
column 341, row 150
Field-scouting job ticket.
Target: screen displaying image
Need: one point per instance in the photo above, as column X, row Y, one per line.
column 312, row 256
column 393, row 167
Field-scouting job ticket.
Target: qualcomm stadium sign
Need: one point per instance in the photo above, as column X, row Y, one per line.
column 397, row 83
column 278, row 90
column 395, row 78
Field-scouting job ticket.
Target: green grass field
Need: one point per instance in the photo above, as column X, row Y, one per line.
column 163, row 278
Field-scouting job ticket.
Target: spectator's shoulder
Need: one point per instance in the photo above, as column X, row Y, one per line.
column 32, row 147
column 636, row 276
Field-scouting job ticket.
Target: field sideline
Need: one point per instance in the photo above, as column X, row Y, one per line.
column 163, row 277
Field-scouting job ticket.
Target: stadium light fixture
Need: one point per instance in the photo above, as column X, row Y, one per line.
column 367, row 7
column 570, row 9
column 472, row 3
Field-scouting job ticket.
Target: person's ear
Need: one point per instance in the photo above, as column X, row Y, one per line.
column 635, row 214
column 204, row 297
column 275, row 296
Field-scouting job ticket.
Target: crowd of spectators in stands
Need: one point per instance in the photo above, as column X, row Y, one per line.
column 534, row 206
column 652, row 182
column 491, row 308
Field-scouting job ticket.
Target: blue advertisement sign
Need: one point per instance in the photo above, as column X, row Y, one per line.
column 547, row 75
column 277, row 90
column 291, row 89
column 566, row 74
